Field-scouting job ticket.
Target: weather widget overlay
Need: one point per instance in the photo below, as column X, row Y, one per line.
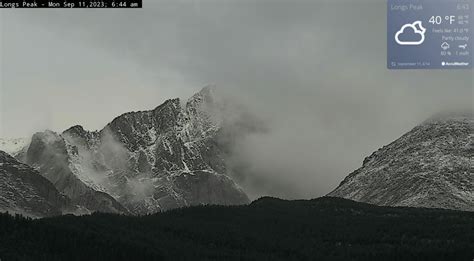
column 430, row 34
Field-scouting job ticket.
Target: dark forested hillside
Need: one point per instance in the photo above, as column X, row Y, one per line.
column 267, row 229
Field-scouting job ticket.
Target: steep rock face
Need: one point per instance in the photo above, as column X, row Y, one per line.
column 430, row 166
column 148, row 161
column 24, row 191
column 50, row 155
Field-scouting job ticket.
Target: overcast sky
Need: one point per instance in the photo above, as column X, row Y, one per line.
column 315, row 70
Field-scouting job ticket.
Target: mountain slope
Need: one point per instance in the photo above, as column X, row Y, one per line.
column 24, row 191
column 430, row 166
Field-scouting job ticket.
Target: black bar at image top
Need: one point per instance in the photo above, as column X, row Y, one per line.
column 71, row 4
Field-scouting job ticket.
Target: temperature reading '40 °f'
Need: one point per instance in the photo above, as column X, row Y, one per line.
column 439, row 19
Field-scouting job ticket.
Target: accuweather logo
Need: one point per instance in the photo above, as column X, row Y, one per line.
column 411, row 34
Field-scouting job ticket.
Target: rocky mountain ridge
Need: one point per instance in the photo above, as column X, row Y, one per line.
column 142, row 162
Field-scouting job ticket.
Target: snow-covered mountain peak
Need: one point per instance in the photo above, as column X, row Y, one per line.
column 206, row 95
column 148, row 161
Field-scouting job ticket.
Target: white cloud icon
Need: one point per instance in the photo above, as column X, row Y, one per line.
column 421, row 31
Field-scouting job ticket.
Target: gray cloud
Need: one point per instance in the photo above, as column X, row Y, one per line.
column 315, row 71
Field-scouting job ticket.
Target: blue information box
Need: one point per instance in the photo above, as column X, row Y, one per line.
column 430, row 34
